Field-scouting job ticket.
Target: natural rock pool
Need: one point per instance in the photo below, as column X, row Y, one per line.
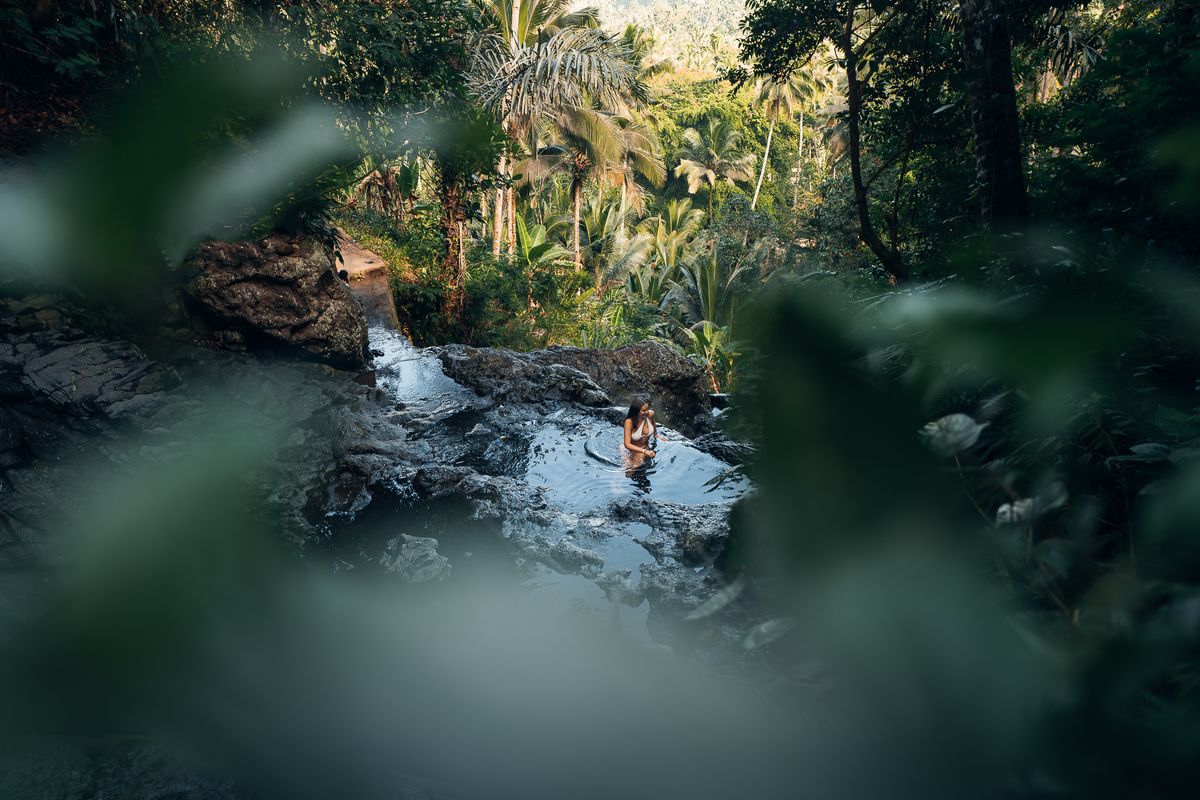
column 537, row 492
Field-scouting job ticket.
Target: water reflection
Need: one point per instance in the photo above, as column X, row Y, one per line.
column 638, row 467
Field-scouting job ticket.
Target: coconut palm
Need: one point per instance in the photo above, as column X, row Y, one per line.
column 779, row 99
column 609, row 253
column 532, row 18
column 709, row 158
column 640, row 44
column 571, row 68
column 703, row 303
column 541, row 55
column 678, row 216
column 642, row 157
column 811, row 85
column 670, row 236
column 588, row 143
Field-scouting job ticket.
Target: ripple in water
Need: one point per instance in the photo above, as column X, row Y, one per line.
column 581, row 467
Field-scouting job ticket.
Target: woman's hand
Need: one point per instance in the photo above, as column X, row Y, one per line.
column 648, row 453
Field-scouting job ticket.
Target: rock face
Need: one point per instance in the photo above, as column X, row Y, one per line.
column 415, row 559
column 279, row 292
column 519, row 377
column 650, row 371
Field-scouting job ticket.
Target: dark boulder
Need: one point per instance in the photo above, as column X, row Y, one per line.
column 280, row 292
column 652, row 371
column 12, row 439
column 107, row 376
column 668, row 380
column 519, row 377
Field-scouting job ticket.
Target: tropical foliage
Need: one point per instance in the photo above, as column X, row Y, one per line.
column 943, row 254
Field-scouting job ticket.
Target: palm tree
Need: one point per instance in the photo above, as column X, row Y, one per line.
column 779, row 99
column 532, row 18
column 672, row 233
column 706, row 290
column 704, row 303
column 713, row 157
column 641, row 156
column 589, row 142
column 810, row 87
column 640, row 44
column 540, row 53
column 678, row 216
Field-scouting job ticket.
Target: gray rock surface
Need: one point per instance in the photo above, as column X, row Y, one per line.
column 281, row 292
column 651, row 371
column 415, row 559
column 519, row 377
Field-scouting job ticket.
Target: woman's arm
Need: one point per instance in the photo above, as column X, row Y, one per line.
column 654, row 429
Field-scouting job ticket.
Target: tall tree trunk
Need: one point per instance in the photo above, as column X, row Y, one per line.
column 799, row 162
column 498, row 221
column 577, row 212
column 763, row 172
column 515, row 22
column 987, row 62
column 511, row 203
column 454, row 261
column 623, row 190
column 712, row 188
column 888, row 257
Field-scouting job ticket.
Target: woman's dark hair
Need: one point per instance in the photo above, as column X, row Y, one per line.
column 635, row 408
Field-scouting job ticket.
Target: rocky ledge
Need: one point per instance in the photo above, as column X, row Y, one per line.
column 649, row 371
column 280, row 292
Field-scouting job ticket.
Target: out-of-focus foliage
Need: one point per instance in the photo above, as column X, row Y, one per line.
column 974, row 532
column 978, row 506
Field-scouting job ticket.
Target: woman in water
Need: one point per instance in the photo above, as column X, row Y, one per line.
column 640, row 430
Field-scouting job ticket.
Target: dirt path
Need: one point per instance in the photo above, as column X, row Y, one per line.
column 369, row 281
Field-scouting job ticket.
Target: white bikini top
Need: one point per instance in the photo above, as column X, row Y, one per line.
column 641, row 432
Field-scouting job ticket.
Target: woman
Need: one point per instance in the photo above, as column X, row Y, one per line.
column 639, row 431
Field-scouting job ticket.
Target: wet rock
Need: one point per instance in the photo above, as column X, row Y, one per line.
column 692, row 535
column 570, row 556
column 652, row 371
column 415, row 559
column 565, row 555
column 493, row 496
column 719, row 445
column 676, row 590
column 279, row 292
column 619, row 587
column 518, row 377
column 86, row 376
column 12, row 439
